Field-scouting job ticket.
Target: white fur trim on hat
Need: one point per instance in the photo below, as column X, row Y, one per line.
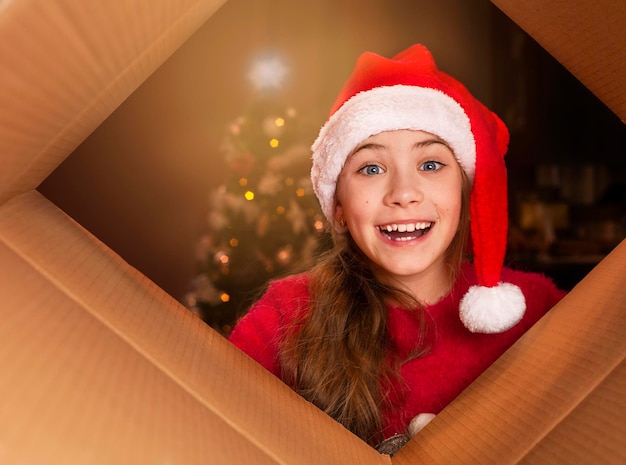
column 385, row 109
column 492, row 309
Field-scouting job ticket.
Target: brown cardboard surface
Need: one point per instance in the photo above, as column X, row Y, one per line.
column 593, row 432
column 101, row 366
column 585, row 36
column 66, row 65
column 557, row 394
column 73, row 391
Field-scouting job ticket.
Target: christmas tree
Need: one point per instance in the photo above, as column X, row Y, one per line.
column 263, row 219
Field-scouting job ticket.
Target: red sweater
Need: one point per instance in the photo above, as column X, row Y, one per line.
column 457, row 357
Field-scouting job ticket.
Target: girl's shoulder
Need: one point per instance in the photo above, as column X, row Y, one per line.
column 293, row 286
column 283, row 297
column 531, row 282
column 540, row 291
column 260, row 330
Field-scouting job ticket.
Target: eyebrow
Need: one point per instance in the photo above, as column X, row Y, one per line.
column 417, row 145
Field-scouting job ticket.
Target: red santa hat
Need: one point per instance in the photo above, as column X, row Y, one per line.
column 409, row 92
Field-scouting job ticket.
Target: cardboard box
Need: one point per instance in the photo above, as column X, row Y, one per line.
column 100, row 366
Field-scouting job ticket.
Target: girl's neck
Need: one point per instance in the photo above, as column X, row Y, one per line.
column 427, row 288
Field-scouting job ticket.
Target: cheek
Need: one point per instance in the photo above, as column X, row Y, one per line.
column 449, row 203
column 355, row 202
column 363, row 207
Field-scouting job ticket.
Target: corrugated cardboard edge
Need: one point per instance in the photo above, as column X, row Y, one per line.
column 550, row 383
column 228, row 408
column 66, row 65
column 78, row 390
column 40, row 128
column 587, row 37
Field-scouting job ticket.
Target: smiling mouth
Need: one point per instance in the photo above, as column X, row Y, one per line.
column 405, row 231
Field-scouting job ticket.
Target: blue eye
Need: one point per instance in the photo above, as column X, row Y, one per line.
column 371, row 170
column 431, row 166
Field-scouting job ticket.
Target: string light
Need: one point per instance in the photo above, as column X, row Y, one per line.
column 281, row 222
column 221, row 258
column 285, row 255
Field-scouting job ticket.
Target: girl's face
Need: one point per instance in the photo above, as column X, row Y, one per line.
column 400, row 195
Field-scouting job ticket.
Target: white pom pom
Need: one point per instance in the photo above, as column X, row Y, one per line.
column 492, row 309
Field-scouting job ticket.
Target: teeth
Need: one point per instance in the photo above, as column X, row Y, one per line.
column 410, row 227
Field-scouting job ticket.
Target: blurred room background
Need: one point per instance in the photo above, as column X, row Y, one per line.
column 182, row 178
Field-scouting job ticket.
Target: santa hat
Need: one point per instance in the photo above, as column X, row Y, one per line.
column 409, row 92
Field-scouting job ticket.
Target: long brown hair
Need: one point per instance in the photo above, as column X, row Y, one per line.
column 336, row 355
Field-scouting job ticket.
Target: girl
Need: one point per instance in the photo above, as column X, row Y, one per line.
column 393, row 323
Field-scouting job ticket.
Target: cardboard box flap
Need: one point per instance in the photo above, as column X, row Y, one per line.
column 557, row 393
column 587, row 37
column 101, row 366
column 66, row 65
column 593, row 432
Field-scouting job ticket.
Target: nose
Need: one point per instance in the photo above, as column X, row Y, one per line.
column 404, row 189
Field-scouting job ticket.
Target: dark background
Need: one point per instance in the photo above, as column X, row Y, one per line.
column 140, row 182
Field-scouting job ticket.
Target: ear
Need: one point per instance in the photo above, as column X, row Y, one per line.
column 339, row 221
column 338, row 210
